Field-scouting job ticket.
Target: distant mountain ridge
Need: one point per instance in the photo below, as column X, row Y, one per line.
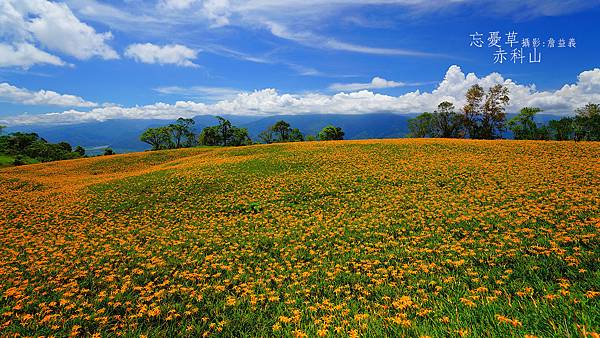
column 123, row 135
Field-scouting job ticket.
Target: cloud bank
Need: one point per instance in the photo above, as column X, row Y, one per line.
column 270, row 102
column 376, row 83
column 12, row 94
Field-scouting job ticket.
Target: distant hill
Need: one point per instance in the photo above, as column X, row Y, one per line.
column 365, row 126
column 123, row 135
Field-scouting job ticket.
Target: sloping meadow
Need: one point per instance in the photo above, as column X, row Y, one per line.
column 356, row 238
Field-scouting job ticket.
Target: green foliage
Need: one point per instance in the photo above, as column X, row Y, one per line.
column 27, row 148
column 173, row 136
column 79, row 150
column 485, row 113
column 266, row 136
column 331, row 133
column 421, row 126
column 210, row 136
column 224, row 134
column 19, row 160
column 561, row 130
column 181, row 133
column 587, row 123
column 108, row 151
column 585, row 126
column 296, row 135
column 159, row 138
column 225, row 130
column 240, row 137
column 446, row 123
column 281, row 131
column 6, row 160
column 523, row 125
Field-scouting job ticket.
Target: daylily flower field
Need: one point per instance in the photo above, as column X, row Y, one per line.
column 414, row 238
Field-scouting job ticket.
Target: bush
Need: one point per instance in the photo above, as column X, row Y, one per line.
column 19, row 160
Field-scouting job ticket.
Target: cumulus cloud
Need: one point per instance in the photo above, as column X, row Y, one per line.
column 270, row 102
column 376, row 83
column 169, row 54
column 29, row 25
column 25, row 55
column 12, row 94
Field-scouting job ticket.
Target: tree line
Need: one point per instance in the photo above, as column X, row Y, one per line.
column 484, row 117
column 181, row 135
column 27, row 148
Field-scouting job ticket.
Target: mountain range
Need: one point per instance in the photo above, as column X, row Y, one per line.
column 123, row 135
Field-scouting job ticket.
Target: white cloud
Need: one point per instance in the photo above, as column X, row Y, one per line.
column 312, row 40
column 25, row 55
column 270, row 102
column 200, row 92
column 175, row 4
column 169, row 54
column 376, row 83
column 28, row 25
column 218, row 11
column 299, row 20
column 9, row 93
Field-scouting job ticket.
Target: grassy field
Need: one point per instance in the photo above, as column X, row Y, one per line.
column 408, row 238
column 6, row 161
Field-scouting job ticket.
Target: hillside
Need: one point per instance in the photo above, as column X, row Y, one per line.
column 372, row 238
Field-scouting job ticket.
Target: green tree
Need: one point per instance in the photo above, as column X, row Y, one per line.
column 210, row 136
column 108, row 151
column 224, row 134
column 19, row 160
column 65, row 146
column 543, row 133
column 523, row 126
column 587, row 123
column 282, row 130
column 266, row 136
column 159, row 138
column 181, row 133
column 562, row 129
column 485, row 113
column 224, row 130
column 473, row 110
column 296, row 135
column 421, row 126
column 240, row 137
column 18, row 142
column 330, row 133
column 80, row 151
column 445, row 122
column 494, row 112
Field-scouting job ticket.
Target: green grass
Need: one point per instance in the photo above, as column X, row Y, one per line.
column 6, row 161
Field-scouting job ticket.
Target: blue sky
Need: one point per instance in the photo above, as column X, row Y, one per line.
column 83, row 60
